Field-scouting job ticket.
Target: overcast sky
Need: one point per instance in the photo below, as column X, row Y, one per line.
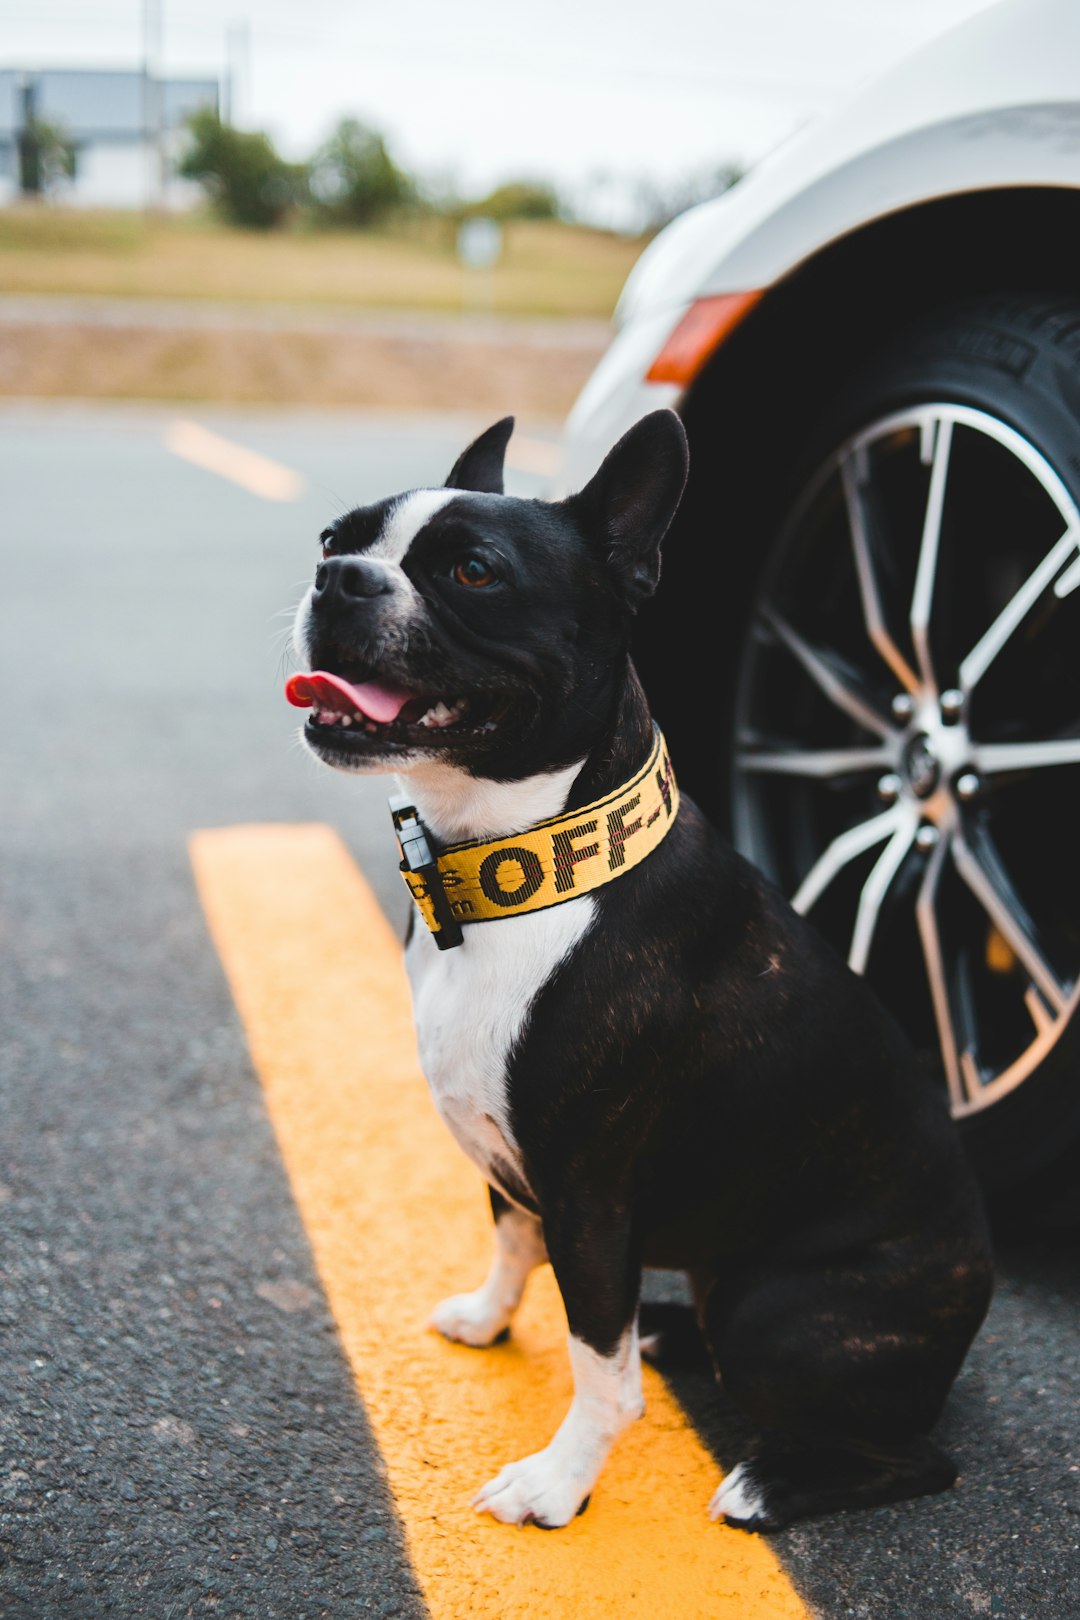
column 481, row 90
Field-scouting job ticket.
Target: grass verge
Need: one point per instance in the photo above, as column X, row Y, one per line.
column 546, row 268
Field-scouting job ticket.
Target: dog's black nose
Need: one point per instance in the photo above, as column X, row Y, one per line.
column 351, row 576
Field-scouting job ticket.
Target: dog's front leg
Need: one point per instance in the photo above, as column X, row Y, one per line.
column 600, row 1279
column 480, row 1317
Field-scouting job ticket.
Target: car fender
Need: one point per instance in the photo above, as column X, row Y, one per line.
column 993, row 103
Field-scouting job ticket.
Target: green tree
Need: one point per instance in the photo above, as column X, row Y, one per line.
column 518, row 199
column 246, row 179
column 660, row 202
column 47, row 157
column 353, row 178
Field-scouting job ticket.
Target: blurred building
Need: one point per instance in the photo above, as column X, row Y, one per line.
column 126, row 128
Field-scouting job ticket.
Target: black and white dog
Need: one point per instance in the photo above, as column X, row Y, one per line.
column 653, row 1060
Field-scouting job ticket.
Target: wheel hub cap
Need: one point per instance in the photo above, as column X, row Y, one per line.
column 908, row 730
column 921, row 768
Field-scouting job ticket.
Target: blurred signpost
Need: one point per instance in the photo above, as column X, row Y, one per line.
column 479, row 246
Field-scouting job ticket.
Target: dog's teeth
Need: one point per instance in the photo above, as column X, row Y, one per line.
column 441, row 715
column 346, row 720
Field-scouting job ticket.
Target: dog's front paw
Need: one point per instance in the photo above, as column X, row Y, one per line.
column 535, row 1490
column 470, row 1319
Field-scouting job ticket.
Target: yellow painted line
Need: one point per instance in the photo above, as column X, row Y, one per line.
column 534, row 455
column 256, row 473
column 397, row 1219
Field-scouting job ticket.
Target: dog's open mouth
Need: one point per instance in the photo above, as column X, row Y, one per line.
column 345, row 710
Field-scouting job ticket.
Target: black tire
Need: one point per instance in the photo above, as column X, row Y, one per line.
column 991, row 389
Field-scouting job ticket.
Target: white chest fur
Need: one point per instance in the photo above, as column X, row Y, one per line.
column 470, row 1005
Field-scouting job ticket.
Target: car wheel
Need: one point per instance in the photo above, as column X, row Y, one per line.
column 906, row 758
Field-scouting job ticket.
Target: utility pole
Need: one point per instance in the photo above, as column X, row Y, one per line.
column 153, row 104
column 237, row 72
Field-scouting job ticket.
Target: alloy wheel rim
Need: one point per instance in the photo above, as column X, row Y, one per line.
column 907, row 730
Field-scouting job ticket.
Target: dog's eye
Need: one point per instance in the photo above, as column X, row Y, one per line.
column 326, row 542
column 473, row 571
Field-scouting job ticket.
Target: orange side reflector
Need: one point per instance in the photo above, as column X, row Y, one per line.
column 999, row 953
column 700, row 332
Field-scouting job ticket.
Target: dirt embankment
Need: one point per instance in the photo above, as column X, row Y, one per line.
column 91, row 350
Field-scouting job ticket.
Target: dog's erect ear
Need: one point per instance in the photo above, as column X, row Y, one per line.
column 480, row 467
column 628, row 505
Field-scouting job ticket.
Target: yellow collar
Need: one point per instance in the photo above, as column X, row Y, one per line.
column 554, row 861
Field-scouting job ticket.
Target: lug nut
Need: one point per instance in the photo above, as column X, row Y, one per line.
column 927, row 835
column 952, row 705
column 903, row 707
column 967, row 786
column 889, row 787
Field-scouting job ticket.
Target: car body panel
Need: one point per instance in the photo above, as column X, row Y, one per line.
column 993, row 103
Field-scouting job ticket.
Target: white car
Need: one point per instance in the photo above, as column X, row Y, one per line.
column 865, row 650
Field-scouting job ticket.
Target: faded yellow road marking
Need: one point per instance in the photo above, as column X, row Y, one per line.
column 534, row 455
column 397, row 1219
column 252, row 471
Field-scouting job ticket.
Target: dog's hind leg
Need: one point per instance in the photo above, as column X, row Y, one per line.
column 483, row 1316
column 844, row 1368
column 782, row 1483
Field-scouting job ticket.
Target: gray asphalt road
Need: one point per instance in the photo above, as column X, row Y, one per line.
column 178, row 1430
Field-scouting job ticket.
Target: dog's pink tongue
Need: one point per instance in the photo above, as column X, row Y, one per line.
column 379, row 703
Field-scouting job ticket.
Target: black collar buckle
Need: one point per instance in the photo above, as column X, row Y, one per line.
column 417, row 859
